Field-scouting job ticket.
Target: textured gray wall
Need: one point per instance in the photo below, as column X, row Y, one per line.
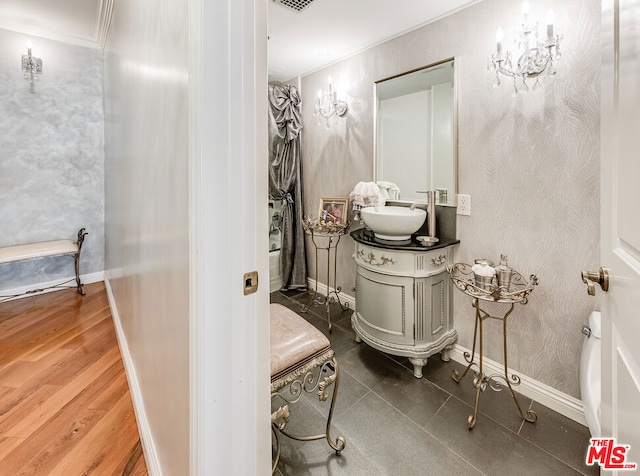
column 51, row 156
column 530, row 164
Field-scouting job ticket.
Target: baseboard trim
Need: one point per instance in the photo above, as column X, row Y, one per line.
column 556, row 400
column 148, row 445
column 345, row 299
column 84, row 278
column 275, row 283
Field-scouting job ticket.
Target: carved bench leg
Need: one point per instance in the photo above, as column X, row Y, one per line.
column 76, row 260
column 340, row 442
column 280, row 417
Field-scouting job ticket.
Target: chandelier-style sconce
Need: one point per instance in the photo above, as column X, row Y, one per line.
column 536, row 55
column 328, row 106
column 31, row 67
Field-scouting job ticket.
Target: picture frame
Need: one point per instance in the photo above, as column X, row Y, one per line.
column 334, row 210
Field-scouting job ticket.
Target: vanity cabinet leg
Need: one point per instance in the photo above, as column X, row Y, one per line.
column 417, row 366
column 445, row 356
column 358, row 340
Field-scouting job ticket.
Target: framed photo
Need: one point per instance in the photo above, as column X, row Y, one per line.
column 334, row 210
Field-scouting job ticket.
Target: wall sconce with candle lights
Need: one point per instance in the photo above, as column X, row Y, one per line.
column 31, row 67
column 328, row 106
column 536, row 55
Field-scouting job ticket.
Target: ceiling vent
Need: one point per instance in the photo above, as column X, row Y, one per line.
column 297, row 5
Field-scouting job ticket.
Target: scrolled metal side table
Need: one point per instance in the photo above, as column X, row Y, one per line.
column 517, row 293
column 331, row 232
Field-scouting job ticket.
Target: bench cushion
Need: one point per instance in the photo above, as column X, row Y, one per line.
column 294, row 343
column 9, row 254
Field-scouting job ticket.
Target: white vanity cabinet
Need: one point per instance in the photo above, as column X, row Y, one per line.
column 403, row 301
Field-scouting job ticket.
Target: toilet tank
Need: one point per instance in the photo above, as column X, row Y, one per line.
column 590, row 378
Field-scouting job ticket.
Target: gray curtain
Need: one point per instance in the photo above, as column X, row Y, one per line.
column 285, row 124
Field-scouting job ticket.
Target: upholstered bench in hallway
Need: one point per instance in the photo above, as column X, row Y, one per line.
column 46, row 249
column 301, row 356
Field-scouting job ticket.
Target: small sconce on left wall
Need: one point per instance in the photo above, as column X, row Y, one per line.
column 31, row 67
column 328, row 106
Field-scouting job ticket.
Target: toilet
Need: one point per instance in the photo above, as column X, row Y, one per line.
column 590, row 379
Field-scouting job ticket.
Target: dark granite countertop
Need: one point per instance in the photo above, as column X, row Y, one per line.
column 366, row 237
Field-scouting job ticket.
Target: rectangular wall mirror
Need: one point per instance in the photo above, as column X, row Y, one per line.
column 415, row 136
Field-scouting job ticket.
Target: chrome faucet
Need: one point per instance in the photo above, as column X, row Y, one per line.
column 431, row 211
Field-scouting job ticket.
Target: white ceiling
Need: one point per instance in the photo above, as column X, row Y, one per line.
column 299, row 42
column 78, row 22
column 329, row 30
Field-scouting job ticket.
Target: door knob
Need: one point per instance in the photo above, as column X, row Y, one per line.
column 601, row 277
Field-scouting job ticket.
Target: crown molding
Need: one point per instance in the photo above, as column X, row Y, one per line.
column 103, row 20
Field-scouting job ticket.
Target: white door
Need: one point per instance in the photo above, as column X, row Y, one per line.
column 230, row 405
column 620, row 236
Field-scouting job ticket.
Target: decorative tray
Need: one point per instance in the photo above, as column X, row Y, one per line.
column 321, row 227
column 517, row 292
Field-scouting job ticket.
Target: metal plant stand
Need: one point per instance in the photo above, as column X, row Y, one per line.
column 516, row 292
column 330, row 233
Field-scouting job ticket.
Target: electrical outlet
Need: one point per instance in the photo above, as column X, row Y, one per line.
column 464, row 205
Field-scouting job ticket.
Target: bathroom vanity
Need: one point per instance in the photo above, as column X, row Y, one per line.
column 403, row 297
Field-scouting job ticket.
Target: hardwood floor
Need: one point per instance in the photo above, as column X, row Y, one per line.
column 65, row 406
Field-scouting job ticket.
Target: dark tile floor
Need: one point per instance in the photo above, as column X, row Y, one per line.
column 398, row 425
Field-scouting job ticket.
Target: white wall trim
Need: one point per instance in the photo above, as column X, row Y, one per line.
column 275, row 279
column 556, row 400
column 275, row 283
column 148, row 445
column 84, row 278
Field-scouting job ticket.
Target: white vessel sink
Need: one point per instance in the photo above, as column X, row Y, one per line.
column 393, row 223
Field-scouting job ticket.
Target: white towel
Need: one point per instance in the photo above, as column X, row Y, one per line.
column 365, row 194
column 389, row 189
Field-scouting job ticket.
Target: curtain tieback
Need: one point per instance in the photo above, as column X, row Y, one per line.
column 287, row 198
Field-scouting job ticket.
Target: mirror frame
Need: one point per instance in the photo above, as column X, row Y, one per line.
column 454, row 200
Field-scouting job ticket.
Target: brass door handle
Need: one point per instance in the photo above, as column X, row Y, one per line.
column 601, row 277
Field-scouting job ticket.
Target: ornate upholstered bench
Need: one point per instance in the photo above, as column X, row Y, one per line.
column 301, row 359
column 45, row 249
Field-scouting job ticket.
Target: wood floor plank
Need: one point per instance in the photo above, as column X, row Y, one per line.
column 20, row 372
column 135, row 462
column 46, row 307
column 62, row 431
column 24, row 408
column 91, row 450
column 27, row 459
column 66, row 339
column 35, row 336
column 100, row 342
column 65, row 406
column 62, row 395
column 7, row 445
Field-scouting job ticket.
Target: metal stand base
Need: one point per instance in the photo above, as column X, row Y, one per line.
column 332, row 244
column 480, row 380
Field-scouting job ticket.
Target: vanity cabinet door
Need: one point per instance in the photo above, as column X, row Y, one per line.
column 432, row 308
column 385, row 306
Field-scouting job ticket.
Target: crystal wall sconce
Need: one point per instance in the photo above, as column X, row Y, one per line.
column 31, row 67
column 535, row 54
column 328, row 106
